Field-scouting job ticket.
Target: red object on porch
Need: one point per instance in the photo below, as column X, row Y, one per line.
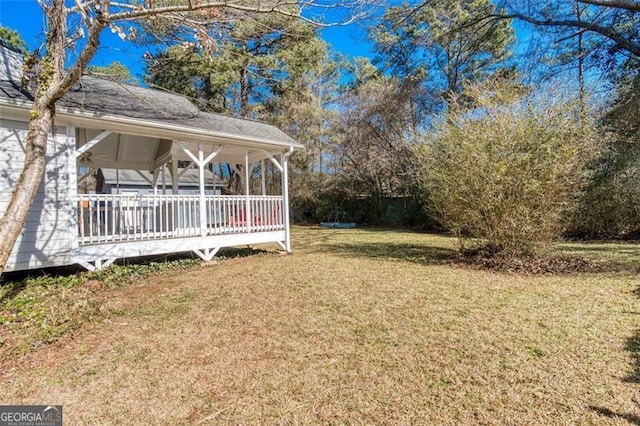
column 259, row 220
column 240, row 220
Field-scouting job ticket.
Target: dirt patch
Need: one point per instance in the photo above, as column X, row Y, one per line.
column 531, row 265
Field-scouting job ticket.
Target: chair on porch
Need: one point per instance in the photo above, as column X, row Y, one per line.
column 260, row 220
column 240, row 218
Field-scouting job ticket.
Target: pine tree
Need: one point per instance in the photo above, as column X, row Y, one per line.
column 438, row 43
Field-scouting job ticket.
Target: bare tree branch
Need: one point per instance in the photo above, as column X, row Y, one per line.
column 631, row 5
column 621, row 41
column 74, row 73
column 594, row 25
column 279, row 7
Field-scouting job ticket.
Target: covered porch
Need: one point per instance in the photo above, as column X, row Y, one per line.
column 124, row 224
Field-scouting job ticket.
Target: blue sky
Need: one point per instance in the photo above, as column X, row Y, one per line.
column 26, row 17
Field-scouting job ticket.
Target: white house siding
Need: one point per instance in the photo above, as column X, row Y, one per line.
column 45, row 240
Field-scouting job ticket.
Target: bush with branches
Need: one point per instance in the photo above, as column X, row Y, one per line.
column 505, row 167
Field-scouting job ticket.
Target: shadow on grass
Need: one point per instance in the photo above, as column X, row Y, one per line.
column 633, row 346
column 605, row 412
column 228, row 253
column 14, row 283
column 422, row 254
column 564, row 261
column 14, row 289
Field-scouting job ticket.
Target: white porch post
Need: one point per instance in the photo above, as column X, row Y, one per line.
column 201, row 162
column 203, row 206
column 174, row 177
column 164, row 179
column 247, row 188
column 156, row 175
column 264, row 177
column 285, row 200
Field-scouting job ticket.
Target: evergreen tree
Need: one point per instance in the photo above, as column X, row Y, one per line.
column 438, row 43
column 115, row 70
column 187, row 70
column 13, row 39
column 242, row 65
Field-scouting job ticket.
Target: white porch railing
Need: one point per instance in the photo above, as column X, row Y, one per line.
column 106, row 218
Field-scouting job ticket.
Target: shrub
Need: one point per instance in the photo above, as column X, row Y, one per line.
column 504, row 168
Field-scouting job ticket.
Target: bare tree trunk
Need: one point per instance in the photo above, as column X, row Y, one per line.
column 238, row 185
column 581, row 53
column 244, row 113
column 244, row 93
column 42, row 115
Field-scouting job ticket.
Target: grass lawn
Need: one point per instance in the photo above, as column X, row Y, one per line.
column 356, row 327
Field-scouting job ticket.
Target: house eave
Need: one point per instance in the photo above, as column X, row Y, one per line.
column 143, row 127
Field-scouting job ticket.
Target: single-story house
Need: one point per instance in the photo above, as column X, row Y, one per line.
column 105, row 124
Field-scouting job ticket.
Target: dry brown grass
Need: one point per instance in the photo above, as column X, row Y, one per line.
column 364, row 327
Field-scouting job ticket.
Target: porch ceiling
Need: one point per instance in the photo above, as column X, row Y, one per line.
column 231, row 154
column 126, row 151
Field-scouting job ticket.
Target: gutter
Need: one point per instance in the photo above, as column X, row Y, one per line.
column 289, row 152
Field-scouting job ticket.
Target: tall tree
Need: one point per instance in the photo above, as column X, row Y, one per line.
column 440, row 42
column 562, row 53
column 424, row 55
column 187, row 69
column 81, row 24
column 611, row 206
column 250, row 61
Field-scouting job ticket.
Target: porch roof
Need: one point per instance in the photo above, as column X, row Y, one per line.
column 148, row 116
column 107, row 97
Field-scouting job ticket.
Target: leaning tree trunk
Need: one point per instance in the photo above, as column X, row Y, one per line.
column 52, row 83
